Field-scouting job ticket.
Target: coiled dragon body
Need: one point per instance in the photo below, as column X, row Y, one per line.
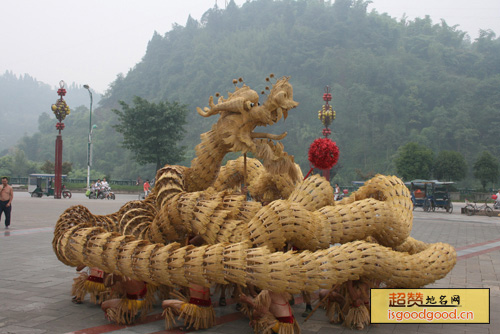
column 244, row 239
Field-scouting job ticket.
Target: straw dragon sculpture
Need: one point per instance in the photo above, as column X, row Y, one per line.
column 244, row 239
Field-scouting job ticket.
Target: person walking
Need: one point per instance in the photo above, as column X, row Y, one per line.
column 147, row 188
column 6, row 197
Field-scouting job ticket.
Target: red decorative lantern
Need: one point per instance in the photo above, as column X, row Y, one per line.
column 323, row 153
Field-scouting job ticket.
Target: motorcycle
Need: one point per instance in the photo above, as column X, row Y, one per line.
column 108, row 194
column 91, row 193
column 65, row 192
column 102, row 193
column 99, row 193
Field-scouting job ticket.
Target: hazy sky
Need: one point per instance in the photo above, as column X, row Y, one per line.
column 90, row 42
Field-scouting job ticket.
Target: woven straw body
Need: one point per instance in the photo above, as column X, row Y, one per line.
column 243, row 239
column 275, row 271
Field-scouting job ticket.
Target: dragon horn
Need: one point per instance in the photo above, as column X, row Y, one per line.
column 208, row 112
column 238, row 104
column 205, row 113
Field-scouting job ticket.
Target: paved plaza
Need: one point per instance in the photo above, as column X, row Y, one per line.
column 35, row 287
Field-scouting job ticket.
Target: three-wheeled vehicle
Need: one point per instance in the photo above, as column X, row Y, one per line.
column 42, row 184
column 420, row 190
column 431, row 194
column 440, row 197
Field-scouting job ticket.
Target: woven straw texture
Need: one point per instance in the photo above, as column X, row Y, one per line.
column 243, row 239
column 275, row 271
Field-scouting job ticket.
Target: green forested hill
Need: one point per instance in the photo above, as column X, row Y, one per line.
column 392, row 81
column 21, row 102
column 23, row 99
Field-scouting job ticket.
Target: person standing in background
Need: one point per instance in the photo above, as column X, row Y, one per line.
column 6, row 197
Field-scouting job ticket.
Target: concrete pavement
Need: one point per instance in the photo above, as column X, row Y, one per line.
column 35, row 286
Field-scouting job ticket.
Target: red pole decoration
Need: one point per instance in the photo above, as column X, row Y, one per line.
column 326, row 115
column 61, row 110
column 324, row 153
column 58, row 167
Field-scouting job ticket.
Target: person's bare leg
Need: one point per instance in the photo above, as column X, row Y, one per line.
column 109, row 304
column 172, row 303
column 171, row 308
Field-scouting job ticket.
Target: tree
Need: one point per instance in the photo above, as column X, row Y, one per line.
column 151, row 131
column 486, row 169
column 48, row 167
column 20, row 165
column 414, row 161
column 450, row 166
column 5, row 165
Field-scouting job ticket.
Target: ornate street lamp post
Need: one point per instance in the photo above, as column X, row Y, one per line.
column 326, row 115
column 89, row 152
column 61, row 110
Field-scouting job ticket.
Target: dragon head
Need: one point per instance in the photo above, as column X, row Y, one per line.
column 280, row 100
column 241, row 113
